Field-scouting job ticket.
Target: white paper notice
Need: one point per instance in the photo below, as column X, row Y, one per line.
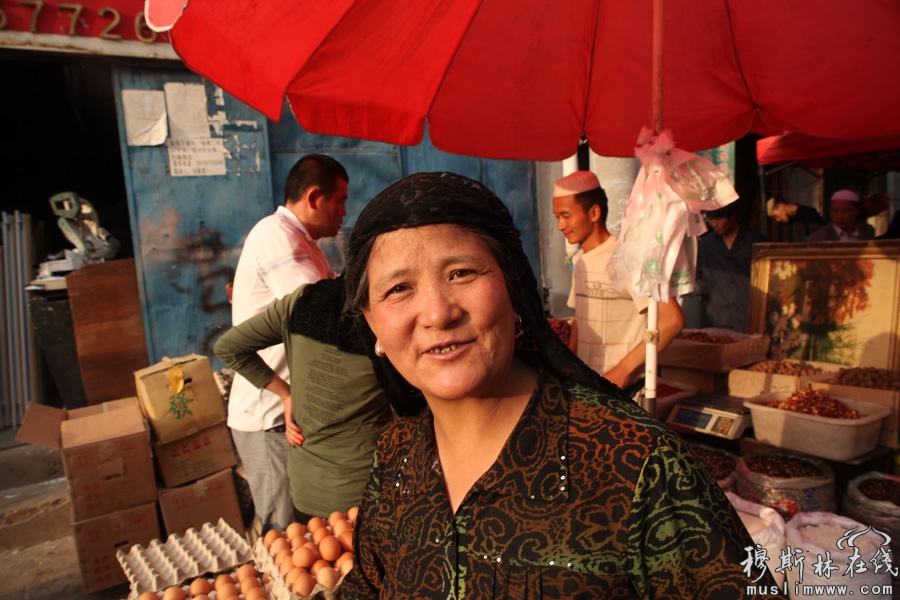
column 196, row 157
column 186, row 103
column 145, row 117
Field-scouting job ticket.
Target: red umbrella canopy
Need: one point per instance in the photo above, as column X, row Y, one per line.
column 526, row 80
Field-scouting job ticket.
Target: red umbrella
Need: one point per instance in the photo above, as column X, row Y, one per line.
column 525, row 80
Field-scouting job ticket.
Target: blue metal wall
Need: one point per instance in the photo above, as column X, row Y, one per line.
column 188, row 231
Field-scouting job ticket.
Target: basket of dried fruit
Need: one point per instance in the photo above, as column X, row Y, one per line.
column 874, row 499
column 713, row 350
column 720, row 464
column 786, row 482
column 812, row 422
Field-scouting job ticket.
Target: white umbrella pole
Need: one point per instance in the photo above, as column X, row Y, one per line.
column 651, row 338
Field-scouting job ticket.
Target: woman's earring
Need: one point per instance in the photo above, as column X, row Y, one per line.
column 379, row 351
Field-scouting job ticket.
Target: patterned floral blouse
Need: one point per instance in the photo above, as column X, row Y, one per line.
column 590, row 498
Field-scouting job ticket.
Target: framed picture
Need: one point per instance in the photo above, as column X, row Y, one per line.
column 835, row 302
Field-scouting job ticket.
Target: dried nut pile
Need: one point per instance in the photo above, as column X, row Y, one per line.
column 781, row 466
column 869, row 377
column 815, row 402
column 702, row 336
column 880, row 488
column 718, row 464
column 664, row 389
column 562, row 328
column 784, row 367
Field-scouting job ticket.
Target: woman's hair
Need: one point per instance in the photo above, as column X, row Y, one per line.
column 447, row 198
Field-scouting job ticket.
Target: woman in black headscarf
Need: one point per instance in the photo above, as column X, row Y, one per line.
column 527, row 475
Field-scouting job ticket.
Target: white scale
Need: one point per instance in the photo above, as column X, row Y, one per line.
column 712, row 414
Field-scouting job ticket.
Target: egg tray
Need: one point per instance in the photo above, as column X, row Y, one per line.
column 279, row 589
column 214, row 549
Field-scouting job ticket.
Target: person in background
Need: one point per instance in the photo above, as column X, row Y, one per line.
column 724, row 260
column 279, row 255
column 334, row 407
column 845, row 226
column 609, row 323
column 794, row 221
column 528, row 475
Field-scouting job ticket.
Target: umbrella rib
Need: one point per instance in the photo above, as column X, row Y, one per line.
column 449, row 66
column 587, row 96
column 737, row 61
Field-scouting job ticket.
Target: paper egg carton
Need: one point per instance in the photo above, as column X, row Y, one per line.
column 279, row 589
column 215, row 548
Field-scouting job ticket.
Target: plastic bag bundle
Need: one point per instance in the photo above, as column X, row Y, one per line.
column 867, row 501
column 858, row 555
column 766, row 528
column 810, row 489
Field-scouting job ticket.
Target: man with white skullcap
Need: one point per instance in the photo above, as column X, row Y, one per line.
column 844, row 210
column 609, row 323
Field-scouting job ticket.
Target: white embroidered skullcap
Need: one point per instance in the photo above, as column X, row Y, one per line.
column 848, row 195
column 577, row 182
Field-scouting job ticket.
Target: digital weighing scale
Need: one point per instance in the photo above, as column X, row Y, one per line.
column 713, row 414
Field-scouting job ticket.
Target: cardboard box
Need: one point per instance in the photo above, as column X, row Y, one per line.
column 195, row 456
column 204, row 501
column 889, row 435
column 743, row 383
column 98, row 539
column 703, row 381
column 105, row 453
column 179, row 397
column 711, row 357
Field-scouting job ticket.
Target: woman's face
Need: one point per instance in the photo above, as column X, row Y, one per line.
column 439, row 306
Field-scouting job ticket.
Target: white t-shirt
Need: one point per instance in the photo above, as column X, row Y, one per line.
column 278, row 256
column 610, row 322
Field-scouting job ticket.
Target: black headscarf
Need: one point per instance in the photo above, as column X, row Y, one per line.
column 447, row 198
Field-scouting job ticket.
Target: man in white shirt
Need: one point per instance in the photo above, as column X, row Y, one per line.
column 609, row 323
column 280, row 254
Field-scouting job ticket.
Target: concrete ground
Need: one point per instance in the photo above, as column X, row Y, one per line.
column 37, row 549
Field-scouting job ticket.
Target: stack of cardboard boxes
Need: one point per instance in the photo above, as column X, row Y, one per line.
column 163, row 457
column 192, row 445
column 109, row 469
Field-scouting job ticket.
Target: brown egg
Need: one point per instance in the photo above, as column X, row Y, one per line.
column 245, row 571
column 346, row 539
column 201, row 597
column 294, row 529
column 342, row 559
column 314, row 547
column 255, row 594
column 278, row 545
column 200, row 585
column 321, row 533
column 298, row 541
column 340, row 526
column 250, row 582
column 303, row 557
column 304, row 584
column 223, row 579
column 285, row 566
column 319, row 565
column 226, row 590
column 352, row 514
column 336, row 516
column 174, row 593
column 148, row 596
column 328, row 577
column 271, row 536
column 316, row 523
column 283, row 555
column 346, row 567
column 291, row 576
column 330, row 548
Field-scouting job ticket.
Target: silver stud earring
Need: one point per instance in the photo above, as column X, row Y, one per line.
column 379, row 351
